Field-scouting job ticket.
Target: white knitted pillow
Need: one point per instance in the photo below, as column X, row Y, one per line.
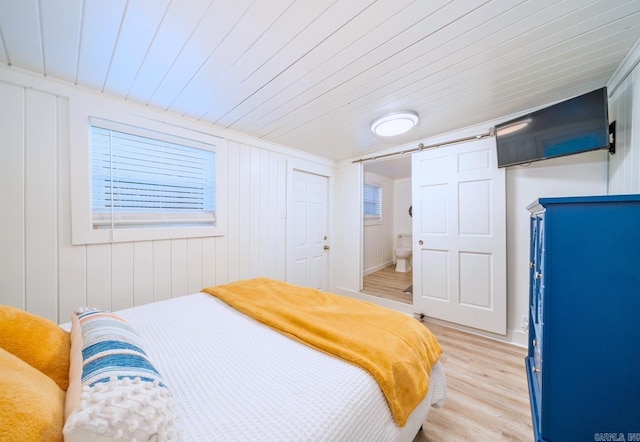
column 122, row 395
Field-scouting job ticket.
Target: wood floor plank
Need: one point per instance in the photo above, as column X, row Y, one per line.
column 389, row 284
column 487, row 398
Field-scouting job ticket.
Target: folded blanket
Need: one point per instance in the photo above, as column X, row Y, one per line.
column 396, row 349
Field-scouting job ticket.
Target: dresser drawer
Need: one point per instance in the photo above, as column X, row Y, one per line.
column 534, row 376
column 534, row 398
column 536, row 357
column 537, row 361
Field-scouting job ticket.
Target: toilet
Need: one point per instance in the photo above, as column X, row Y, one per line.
column 403, row 253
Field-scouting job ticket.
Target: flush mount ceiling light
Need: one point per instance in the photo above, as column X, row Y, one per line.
column 395, row 123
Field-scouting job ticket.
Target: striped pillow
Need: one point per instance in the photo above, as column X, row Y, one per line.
column 111, row 347
column 121, row 393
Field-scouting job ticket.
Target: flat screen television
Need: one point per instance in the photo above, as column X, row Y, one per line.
column 577, row 125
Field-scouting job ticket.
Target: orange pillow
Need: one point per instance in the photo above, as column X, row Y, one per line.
column 36, row 340
column 32, row 404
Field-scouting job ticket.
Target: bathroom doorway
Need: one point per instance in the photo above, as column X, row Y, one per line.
column 386, row 218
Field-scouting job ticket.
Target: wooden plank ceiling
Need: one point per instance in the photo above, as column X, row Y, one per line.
column 312, row 74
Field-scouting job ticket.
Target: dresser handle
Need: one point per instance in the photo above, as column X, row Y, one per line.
column 538, row 275
column 532, row 265
column 535, row 342
column 536, row 370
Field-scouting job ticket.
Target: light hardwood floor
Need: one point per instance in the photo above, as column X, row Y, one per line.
column 487, row 397
column 389, row 284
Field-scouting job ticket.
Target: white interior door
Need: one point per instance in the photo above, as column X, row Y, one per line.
column 310, row 219
column 459, row 234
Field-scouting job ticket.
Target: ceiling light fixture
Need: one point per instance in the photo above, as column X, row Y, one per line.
column 395, row 123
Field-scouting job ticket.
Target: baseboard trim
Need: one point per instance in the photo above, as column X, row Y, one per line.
column 376, row 268
column 395, row 305
column 518, row 338
column 513, row 337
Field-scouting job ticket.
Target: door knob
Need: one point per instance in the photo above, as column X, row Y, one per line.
column 326, row 247
column 421, row 242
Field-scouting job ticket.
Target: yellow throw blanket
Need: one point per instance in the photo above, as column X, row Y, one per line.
column 394, row 348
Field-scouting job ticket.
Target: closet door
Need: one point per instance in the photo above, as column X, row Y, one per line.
column 310, row 264
column 459, row 234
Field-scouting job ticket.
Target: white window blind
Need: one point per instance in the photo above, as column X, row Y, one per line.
column 138, row 181
column 372, row 202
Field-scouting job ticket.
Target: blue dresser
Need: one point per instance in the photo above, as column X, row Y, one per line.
column 583, row 362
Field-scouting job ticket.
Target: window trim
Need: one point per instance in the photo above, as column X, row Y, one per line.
column 83, row 231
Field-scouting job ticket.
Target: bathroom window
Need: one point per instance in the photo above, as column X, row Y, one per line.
column 372, row 202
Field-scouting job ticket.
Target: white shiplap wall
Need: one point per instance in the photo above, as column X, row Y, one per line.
column 378, row 238
column 624, row 108
column 402, row 222
column 41, row 271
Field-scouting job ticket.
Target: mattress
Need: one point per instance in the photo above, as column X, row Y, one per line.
column 236, row 379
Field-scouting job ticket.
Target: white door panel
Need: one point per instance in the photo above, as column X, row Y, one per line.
column 310, row 258
column 460, row 235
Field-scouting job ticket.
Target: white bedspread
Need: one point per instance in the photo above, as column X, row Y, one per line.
column 281, row 389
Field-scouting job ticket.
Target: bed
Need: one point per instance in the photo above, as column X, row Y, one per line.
column 227, row 376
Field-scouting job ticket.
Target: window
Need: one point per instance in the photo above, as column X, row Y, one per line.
column 372, row 202
column 143, row 181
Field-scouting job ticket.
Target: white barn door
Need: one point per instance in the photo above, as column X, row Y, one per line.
column 310, row 264
column 459, row 234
